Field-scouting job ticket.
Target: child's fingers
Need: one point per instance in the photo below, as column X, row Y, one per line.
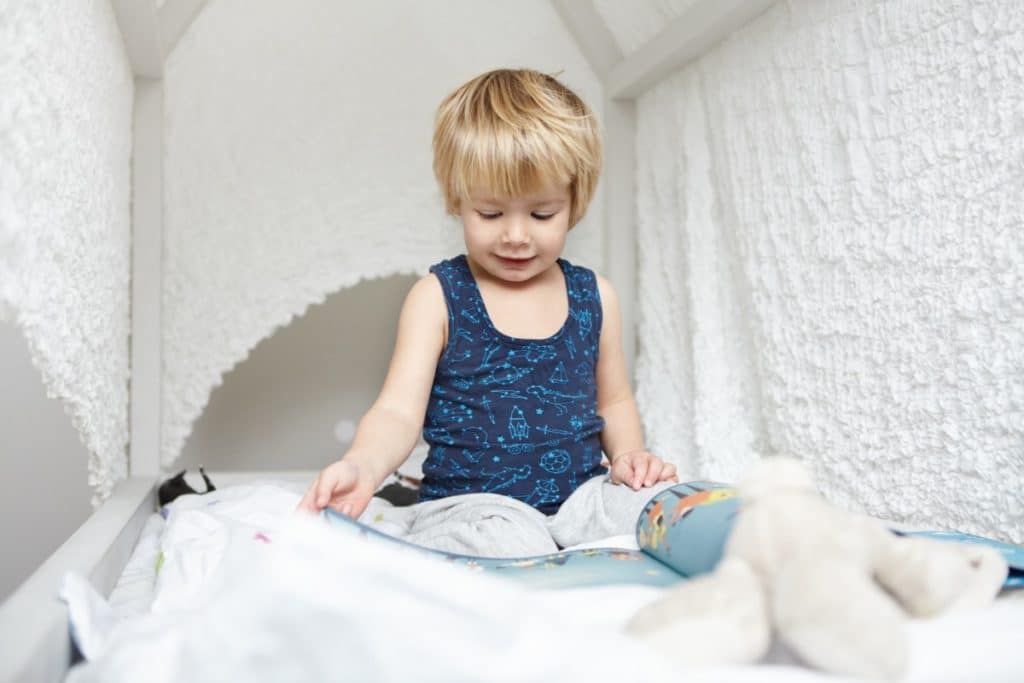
column 349, row 507
column 668, row 473
column 337, row 481
column 639, row 472
column 654, row 468
column 325, row 489
column 306, row 503
column 309, row 499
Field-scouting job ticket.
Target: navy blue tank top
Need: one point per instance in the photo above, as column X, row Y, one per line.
column 514, row 416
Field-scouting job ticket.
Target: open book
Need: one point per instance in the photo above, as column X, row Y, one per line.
column 681, row 533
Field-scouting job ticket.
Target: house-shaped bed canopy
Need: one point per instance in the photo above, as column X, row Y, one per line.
column 812, row 213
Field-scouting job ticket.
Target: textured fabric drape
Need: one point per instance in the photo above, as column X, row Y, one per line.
column 831, row 240
column 65, row 239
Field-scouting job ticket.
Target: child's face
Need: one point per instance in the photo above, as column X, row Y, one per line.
column 516, row 238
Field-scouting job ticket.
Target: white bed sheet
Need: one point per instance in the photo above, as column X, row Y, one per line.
column 310, row 596
column 134, row 593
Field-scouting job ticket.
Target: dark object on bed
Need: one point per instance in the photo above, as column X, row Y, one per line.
column 398, row 495
column 177, row 486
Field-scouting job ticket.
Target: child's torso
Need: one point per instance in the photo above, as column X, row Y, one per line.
column 509, row 415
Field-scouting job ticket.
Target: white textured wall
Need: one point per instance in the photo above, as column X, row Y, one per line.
column 298, row 161
column 832, row 256
column 65, row 143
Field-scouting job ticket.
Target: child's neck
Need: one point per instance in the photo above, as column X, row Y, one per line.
column 534, row 309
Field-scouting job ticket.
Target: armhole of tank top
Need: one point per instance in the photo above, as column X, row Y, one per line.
column 598, row 314
column 449, row 316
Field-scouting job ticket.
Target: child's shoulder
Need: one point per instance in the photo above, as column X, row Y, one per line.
column 426, row 293
column 572, row 266
column 457, row 262
column 603, row 284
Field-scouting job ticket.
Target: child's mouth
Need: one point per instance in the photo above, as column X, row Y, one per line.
column 514, row 262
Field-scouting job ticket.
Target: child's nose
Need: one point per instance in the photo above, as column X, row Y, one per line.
column 515, row 231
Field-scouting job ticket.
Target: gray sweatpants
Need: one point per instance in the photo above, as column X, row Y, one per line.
column 499, row 526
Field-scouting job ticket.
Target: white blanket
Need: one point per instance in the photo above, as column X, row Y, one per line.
column 249, row 591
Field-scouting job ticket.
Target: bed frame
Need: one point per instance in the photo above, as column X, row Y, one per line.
column 33, row 621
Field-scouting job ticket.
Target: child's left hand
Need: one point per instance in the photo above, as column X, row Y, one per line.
column 640, row 468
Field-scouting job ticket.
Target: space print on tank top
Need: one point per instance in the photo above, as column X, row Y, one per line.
column 514, row 416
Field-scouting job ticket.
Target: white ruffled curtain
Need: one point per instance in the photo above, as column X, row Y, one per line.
column 697, row 383
column 65, row 150
column 831, row 226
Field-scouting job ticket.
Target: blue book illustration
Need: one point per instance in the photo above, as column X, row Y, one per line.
column 681, row 533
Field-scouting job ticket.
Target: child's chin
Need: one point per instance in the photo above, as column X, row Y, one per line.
column 517, row 275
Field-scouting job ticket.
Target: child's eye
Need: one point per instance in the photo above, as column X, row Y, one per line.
column 488, row 216
column 542, row 216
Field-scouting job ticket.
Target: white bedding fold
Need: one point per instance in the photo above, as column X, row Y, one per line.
column 325, row 605
column 249, row 590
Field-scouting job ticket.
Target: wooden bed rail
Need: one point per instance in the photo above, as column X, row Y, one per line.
column 34, row 633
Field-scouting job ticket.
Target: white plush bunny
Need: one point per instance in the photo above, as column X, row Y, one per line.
column 834, row 587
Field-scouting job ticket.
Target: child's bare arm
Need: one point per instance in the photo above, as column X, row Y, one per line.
column 389, row 429
column 622, row 438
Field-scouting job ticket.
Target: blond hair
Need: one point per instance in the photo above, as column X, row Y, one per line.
column 512, row 131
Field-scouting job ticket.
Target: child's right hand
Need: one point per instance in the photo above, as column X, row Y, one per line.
column 343, row 486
